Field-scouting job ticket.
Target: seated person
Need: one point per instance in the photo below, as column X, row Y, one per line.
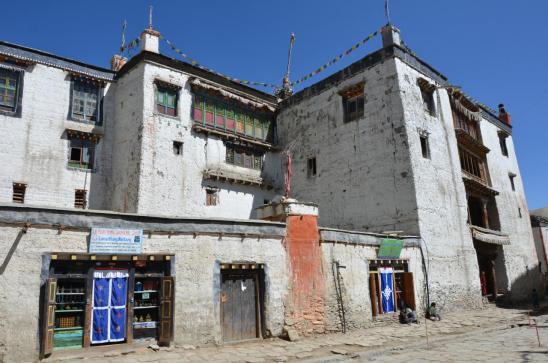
column 432, row 313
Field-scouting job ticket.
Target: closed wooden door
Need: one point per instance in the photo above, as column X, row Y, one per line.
column 239, row 310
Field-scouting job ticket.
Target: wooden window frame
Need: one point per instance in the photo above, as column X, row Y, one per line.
column 358, row 101
column 80, row 198
column 18, row 192
column 7, row 75
column 244, row 157
column 161, row 100
column 213, row 113
column 311, row 167
column 81, row 145
column 212, row 197
column 83, row 92
column 427, row 96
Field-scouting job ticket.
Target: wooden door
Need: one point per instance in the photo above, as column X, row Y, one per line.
column 48, row 326
column 239, row 308
column 373, row 294
column 167, row 294
column 408, row 290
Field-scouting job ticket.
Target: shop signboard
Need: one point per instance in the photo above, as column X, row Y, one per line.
column 390, row 248
column 116, row 241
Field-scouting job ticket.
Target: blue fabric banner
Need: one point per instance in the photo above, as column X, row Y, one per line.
column 109, row 306
column 99, row 331
column 119, row 291
column 117, row 324
column 101, row 293
column 387, row 289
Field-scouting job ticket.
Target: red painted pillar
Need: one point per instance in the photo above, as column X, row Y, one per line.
column 305, row 304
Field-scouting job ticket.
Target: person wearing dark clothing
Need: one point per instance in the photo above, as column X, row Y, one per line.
column 535, row 297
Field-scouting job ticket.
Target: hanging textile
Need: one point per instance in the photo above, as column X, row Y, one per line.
column 109, row 310
column 387, row 289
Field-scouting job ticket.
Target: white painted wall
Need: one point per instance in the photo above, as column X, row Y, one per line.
column 520, row 256
column 441, row 197
column 34, row 149
column 363, row 177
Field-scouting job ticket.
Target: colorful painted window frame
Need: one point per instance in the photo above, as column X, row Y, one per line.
column 9, row 82
column 214, row 113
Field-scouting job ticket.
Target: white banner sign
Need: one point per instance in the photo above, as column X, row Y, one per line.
column 116, row 241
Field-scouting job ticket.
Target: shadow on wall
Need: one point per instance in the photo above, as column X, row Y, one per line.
column 521, row 289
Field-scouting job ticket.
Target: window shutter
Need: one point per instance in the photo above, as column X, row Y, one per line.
column 48, row 317
column 166, row 310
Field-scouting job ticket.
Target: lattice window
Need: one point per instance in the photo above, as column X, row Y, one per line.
column 8, row 88
column 80, row 198
column 166, row 101
column 245, row 157
column 214, row 113
column 19, row 190
column 85, row 100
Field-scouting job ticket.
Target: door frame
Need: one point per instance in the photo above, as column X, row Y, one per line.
column 256, row 271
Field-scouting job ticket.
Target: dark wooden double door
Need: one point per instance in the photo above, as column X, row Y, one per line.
column 240, row 314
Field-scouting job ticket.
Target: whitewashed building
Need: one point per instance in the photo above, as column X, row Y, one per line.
column 414, row 181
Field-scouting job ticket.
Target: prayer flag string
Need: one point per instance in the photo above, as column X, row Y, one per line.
column 337, row 58
column 195, row 63
column 130, row 45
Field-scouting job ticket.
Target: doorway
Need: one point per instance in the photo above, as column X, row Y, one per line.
column 391, row 287
column 240, row 303
column 109, row 307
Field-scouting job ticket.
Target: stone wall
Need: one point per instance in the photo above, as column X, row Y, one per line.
column 24, row 267
column 440, row 194
column 363, row 179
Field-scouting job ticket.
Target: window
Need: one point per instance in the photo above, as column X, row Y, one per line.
column 85, row 100
column 80, row 198
column 177, row 148
column 18, row 194
column 244, row 157
column 427, row 95
column 8, row 89
column 428, row 101
column 166, row 100
column 512, row 184
column 472, row 165
column 212, row 196
column 214, row 113
column 502, row 141
column 519, row 212
column 81, row 154
column 353, row 108
column 425, row 146
column 311, row 167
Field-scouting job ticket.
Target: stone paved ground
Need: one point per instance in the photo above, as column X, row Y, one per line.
column 488, row 334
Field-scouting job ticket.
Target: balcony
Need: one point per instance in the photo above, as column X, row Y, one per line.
column 471, row 143
column 477, row 185
column 489, row 236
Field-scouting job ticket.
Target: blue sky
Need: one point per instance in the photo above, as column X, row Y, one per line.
column 497, row 50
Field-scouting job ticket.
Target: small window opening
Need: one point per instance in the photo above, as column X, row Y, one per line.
column 512, row 183
column 503, row 146
column 177, row 148
column 425, row 146
column 519, row 212
column 427, row 94
column 212, row 196
column 311, row 167
column 19, row 190
column 80, row 198
column 353, row 101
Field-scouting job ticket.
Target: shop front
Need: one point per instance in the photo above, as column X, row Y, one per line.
column 98, row 299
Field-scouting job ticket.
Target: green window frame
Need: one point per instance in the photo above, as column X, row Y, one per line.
column 212, row 113
column 81, row 154
column 166, row 101
column 85, row 101
column 9, row 83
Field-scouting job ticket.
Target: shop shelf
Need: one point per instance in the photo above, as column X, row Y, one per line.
column 142, row 291
column 145, row 307
column 69, row 311
column 71, row 328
